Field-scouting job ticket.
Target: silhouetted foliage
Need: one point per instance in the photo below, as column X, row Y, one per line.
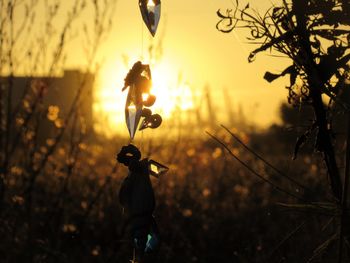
column 44, row 131
column 315, row 36
column 321, row 70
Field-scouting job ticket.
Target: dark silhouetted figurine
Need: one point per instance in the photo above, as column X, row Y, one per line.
column 137, row 197
column 139, row 82
column 135, row 72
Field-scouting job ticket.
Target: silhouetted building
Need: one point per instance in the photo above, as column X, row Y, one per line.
column 57, row 94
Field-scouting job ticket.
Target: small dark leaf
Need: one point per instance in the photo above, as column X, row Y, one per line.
column 276, row 13
column 303, row 139
column 270, row 76
column 288, row 70
column 293, row 78
column 251, row 57
column 316, row 44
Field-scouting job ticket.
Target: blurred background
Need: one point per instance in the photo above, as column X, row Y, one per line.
column 62, row 67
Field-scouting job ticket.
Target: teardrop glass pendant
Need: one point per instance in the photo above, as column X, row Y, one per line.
column 150, row 11
column 133, row 110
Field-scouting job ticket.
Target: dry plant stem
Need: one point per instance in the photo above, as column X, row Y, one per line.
column 3, row 21
column 35, row 172
column 299, row 50
column 70, row 165
column 35, row 115
column 27, row 119
column 56, row 58
column 11, row 7
column 91, row 58
column 76, row 12
column 284, row 240
column 310, row 66
column 2, row 121
column 315, row 85
column 8, row 121
column 12, row 36
column 75, row 100
column 178, row 137
column 38, row 100
column 263, row 160
column 40, row 52
column 93, row 202
column 29, row 191
column 344, row 220
column 253, row 171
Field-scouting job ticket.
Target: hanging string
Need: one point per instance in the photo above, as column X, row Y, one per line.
column 142, row 28
column 142, row 25
column 141, row 143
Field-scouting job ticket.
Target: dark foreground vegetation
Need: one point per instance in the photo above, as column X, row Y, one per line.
column 209, row 207
column 229, row 195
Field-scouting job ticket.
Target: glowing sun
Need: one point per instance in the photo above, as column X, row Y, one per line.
column 172, row 96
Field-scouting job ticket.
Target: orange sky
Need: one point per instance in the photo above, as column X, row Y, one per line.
column 193, row 48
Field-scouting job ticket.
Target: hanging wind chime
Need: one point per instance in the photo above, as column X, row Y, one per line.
column 136, row 193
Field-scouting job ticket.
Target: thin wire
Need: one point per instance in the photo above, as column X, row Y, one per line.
column 141, row 143
column 142, row 40
column 142, row 36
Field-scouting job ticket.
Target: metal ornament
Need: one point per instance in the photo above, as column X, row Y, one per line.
column 152, row 121
column 156, row 169
column 139, row 82
column 150, row 11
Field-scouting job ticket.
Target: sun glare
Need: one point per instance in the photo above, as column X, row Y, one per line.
column 150, row 3
column 109, row 106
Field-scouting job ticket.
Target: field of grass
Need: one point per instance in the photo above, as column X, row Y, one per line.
column 209, row 207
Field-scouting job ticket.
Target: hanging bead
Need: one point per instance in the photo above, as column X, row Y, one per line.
column 150, row 11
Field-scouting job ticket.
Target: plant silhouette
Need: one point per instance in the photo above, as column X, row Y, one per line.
column 315, row 36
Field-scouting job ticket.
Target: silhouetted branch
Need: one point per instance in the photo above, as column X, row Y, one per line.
column 264, row 160
column 253, row 171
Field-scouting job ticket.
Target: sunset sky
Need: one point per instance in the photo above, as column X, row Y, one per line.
column 193, row 47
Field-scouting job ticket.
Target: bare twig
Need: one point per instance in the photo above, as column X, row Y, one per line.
column 253, row 171
column 264, row 160
column 345, row 213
